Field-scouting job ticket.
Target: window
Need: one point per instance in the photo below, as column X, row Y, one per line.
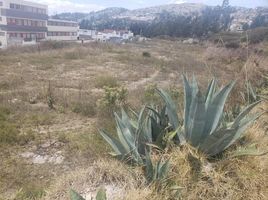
column 12, row 5
column 2, row 34
column 1, row 3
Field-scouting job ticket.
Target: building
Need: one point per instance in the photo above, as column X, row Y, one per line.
column 62, row 30
column 84, row 34
column 22, row 22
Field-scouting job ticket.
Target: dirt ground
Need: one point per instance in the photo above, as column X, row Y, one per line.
column 61, row 139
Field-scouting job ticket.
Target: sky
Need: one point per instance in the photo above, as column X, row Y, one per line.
column 59, row 6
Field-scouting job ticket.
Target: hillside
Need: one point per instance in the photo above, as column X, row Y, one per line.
column 199, row 15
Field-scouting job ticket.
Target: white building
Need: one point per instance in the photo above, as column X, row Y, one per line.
column 22, row 22
column 84, row 34
column 105, row 35
column 62, row 30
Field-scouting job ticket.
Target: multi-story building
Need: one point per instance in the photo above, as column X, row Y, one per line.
column 22, row 22
column 62, row 30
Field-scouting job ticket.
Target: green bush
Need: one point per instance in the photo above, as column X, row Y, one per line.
column 112, row 99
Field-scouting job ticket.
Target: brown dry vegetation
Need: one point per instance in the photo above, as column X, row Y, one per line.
column 72, row 78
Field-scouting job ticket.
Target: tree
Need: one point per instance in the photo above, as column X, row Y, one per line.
column 225, row 4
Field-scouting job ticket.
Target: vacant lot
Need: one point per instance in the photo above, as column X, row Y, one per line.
column 52, row 103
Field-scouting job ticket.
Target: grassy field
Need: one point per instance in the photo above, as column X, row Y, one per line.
column 54, row 98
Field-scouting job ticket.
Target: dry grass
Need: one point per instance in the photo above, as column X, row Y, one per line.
column 77, row 75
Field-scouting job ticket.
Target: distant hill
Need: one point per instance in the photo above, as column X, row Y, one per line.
column 181, row 20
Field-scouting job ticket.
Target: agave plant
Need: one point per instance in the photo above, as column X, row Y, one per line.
column 75, row 196
column 133, row 137
column 101, row 195
column 204, row 125
column 171, row 111
column 156, row 173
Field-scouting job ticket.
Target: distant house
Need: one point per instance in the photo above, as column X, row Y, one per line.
column 105, row 35
column 84, row 34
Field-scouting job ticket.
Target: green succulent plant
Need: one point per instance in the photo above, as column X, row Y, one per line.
column 171, row 112
column 204, row 124
column 75, row 196
column 101, row 195
column 133, row 136
column 156, row 173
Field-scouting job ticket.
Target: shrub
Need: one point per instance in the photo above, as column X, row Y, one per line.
column 106, row 81
column 149, row 95
column 146, row 54
column 86, row 109
column 232, row 45
column 112, row 99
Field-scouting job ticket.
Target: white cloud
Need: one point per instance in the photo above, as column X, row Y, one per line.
column 178, row 1
column 59, row 6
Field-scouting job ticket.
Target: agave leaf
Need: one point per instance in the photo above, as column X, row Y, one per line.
column 101, row 195
column 149, row 168
column 243, row 114
column 197, row 119
column 124, row 134
column 127, row 122
column 194, row 86
column 245, row 123
column 215, row 109
column 171, row 108
column 187, row 103
column 171, row 112
column 156, row 130
column 217, row 142
column 75, row 196
column 162, row 173
column 154, row 111
column 115, row 144
column 210, row 92
column 140, row 118
column 250, row 150
column 171, row 135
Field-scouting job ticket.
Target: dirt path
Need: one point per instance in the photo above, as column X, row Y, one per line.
column 142, row 82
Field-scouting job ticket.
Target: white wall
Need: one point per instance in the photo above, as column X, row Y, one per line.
column 62, row 38
column 62, row 29
column 3, row 40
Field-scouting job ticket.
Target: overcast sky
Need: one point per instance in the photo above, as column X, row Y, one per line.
column 58, row 6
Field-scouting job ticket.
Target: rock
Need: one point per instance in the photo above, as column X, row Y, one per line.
column 190, row 41
column 35, row 158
